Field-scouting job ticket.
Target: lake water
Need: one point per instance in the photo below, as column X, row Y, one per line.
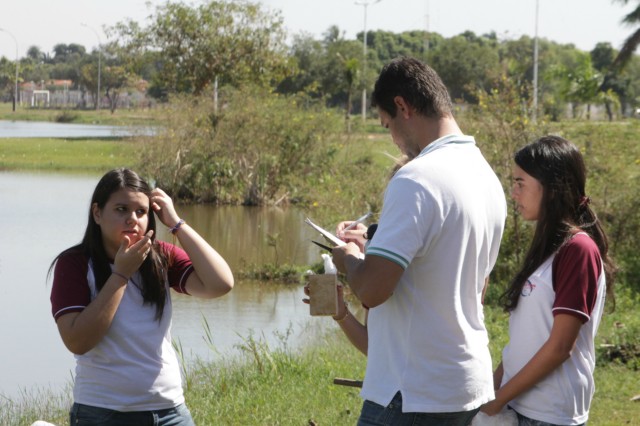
column 42, row 214
column 36, row 129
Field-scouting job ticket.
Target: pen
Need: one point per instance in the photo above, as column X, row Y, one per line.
column 357, row 221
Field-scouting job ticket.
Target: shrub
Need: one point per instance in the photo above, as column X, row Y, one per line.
column 65, row 116
column 261, row 148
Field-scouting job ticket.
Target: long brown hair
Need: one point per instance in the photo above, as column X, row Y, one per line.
column 559, row 167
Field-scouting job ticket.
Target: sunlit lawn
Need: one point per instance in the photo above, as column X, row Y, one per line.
column 121, row 117
column 73, row 155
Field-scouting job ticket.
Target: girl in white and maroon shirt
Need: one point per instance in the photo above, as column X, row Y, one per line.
column 110, row 299
column 556, row 299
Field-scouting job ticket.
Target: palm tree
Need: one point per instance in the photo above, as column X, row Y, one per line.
column 623, row 57
column 630, row 44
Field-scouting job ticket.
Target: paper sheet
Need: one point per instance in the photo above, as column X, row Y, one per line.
column 328, row 235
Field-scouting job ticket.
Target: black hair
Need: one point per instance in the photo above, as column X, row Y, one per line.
column 417, row 83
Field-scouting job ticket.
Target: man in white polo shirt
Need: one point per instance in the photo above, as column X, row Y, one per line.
column 426, row 267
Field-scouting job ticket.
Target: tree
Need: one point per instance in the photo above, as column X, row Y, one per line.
column 603, row 56
column 36, row 55
column 340, row 69
column 350, row 71
column 68, row 52
column 631, row 43
column 328, row 69
column 7, row 76
column 115, row 79
column 88, row 79
column 307, row 56
column 465, row 64
column 582, row 85
column 234, row 42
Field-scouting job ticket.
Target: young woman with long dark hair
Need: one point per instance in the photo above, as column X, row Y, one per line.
column 557, row 297
column 110, row 299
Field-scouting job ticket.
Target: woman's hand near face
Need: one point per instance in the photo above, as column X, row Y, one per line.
column 163, row 206
column 130, row 256
column 82, row 331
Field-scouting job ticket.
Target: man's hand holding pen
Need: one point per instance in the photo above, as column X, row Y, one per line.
column 354, row 234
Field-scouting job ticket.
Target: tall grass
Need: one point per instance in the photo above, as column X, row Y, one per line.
column 277, row 386
column 38, row 404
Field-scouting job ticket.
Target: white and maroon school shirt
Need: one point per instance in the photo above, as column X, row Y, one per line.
column 572, row 281
column 134, row 367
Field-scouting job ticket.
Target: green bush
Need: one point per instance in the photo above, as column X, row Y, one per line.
column 261, row 148
column 612, row 156
column 65, row 116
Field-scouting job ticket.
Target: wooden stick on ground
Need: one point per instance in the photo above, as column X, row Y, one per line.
column 347, row 382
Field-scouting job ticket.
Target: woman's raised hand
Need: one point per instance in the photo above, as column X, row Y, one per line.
column 162, row 204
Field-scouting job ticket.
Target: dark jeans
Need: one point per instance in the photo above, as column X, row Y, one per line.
column 86, row 415
column 526, row 421
column 376, row 415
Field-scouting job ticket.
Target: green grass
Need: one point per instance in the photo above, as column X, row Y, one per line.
column 69, row 155
column 103, row 116
column 612, row 405
column 276, row 387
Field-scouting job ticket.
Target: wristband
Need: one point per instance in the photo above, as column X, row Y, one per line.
column 120, row 275
column 343, row 318
column 346, row 314
column 177, row 226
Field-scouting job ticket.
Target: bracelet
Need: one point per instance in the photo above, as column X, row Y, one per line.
column 120, row 275
column 346, row 314
column 177, row 226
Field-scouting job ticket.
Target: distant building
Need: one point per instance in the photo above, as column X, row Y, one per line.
column 65, row 94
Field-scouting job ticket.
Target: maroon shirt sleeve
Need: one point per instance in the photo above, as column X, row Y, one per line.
column 180, row 266
column 576, row 270
column 70, row 290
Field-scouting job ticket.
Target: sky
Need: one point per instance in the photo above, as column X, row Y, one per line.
column 45, row 23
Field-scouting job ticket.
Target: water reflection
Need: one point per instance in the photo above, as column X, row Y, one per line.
column 42, row 214
column 250, row 309
column 241, row 234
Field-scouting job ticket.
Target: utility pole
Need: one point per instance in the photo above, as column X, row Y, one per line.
column 15, row 93
column 534, row 115
column 99, row 64
column 426, row 38
column 366, row 4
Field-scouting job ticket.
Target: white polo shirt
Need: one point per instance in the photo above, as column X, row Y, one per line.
column 442, row 221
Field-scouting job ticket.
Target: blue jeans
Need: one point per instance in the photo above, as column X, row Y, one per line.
column 86, row 415
column 526, row 421
column 373, row 414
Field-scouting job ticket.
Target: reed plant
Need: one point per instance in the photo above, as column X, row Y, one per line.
column 36, row 404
